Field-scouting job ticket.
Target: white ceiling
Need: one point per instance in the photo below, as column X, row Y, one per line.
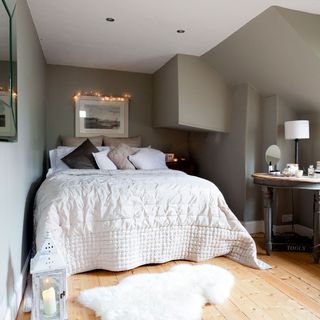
column 143, row 37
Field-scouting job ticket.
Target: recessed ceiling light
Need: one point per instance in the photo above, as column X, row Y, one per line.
column 110, row 19
column 181, row 31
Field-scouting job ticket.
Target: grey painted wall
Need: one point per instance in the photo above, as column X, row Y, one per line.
column 253, row 150
column 21, row 162
column 166, row 95
column 204, row 97
column 64, row 82
column 228, row 159
column 275, row 112
column 189, row 94
column 273, row 53
column 309, row 154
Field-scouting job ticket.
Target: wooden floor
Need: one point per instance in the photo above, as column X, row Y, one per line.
column 290, row 290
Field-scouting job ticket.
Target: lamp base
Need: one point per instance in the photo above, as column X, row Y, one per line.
column 296, row 151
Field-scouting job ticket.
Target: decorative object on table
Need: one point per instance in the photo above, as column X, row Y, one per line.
column 48, row 283
column 96, row 115
column 179, row 294
column 299, row 174
column 272, row 156
column 291, row 169
column 295, row 130
column 311, row 171
column 169, row 157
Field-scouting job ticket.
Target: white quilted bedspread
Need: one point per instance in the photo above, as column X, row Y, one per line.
column 117, row 220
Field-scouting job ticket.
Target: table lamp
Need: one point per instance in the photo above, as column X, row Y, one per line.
column 295, row 130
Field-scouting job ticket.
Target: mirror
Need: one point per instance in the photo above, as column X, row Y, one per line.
column 273, row 155
column 8, row 72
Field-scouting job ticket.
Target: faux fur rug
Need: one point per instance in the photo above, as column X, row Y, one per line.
column 178, row 294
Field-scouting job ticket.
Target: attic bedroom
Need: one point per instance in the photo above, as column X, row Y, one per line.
column 159, row 160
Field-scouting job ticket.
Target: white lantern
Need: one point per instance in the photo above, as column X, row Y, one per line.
column 48, row 271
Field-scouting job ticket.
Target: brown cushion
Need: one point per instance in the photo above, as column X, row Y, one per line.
column 132, row 141
column 81, row 157
column 70, row 141
column 119, row 156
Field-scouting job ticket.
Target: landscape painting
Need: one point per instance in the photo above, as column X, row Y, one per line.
column 102, row 117
column 95, row 116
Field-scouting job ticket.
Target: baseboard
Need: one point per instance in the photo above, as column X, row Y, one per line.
column 258, row 226
column 12, row 309
column 254, row 226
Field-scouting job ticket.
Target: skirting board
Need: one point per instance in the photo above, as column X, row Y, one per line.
column 12, row 309
column 258, row 226
column 254, row 226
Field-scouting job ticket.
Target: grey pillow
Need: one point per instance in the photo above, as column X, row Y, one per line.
column 132, row 141
column 81, row 157
column 119, row 156
column 70, row 141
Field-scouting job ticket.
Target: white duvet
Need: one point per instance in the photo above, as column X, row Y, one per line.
column 118, row 220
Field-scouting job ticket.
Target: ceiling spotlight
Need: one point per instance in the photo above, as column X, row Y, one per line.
column 110, row 19
column 181, row 31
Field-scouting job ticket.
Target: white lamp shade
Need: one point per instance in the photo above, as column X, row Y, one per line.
column 298, row 129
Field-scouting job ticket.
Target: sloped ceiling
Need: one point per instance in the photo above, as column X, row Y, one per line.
column 143, row 36
column 278, row 53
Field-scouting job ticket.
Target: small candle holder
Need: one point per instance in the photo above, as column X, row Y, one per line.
column 48, row 271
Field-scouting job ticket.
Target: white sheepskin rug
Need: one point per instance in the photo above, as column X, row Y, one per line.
column 178, row 294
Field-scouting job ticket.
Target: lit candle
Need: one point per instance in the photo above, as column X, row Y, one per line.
column 49, row 301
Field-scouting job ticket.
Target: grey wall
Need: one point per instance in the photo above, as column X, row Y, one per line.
column 21, row 162
column 189, row 94
column 64, row 82
column 204, row 97
column 275, row 112
column 253, row 150
column 229, row 159
column 309, row 154
column 274, row 53
column 278, row 53
column 166, row 95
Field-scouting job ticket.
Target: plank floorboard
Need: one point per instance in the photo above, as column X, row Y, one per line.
column 288, row 291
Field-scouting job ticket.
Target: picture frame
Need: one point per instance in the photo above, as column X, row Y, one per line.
column 101, row 116
column 7, row 113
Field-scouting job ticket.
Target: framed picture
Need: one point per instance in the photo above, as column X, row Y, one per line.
column 97, row 116
column 7, row 125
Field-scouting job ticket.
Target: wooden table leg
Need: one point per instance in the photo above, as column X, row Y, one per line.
column 316, row 227
column 267, row 204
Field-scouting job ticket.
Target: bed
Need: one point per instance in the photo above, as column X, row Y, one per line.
column 120, row 219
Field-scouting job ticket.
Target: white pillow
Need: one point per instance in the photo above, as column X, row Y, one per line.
column 102, row 160
column 57, row 154
column 148, row 159
column 60, row 153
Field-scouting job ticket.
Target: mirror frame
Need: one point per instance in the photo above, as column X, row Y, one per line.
column 277, row 159
column 12, row 94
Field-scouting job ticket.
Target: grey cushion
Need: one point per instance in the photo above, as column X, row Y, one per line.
column 119, row 156
column 70, row 141
column 81, row 157
column 132, row 141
